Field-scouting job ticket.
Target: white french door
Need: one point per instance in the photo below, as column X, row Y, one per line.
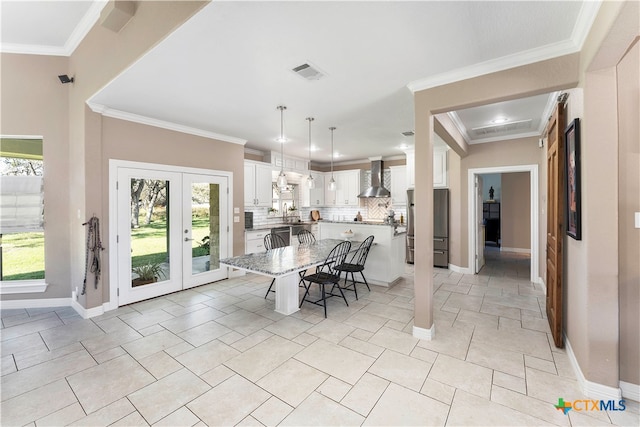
column 171, row 226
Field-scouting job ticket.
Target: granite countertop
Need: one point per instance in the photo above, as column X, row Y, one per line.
column 278, row 225
column 386, row 224
column 282, row 261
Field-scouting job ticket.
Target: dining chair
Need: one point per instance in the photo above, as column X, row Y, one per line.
column 356, row 265
column 327, row 275
column 305, row 236
column 273, row 241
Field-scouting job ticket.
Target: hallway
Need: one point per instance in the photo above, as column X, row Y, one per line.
column 219, row 355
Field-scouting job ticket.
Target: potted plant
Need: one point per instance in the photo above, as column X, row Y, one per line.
column 147, row 273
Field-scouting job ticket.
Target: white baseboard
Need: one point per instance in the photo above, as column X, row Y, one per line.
column 36, row 303
column 87, row 313
column 424, row 334
column 518, row 250
column 462, row 270
column 589, row 388
column 540, row 281
column 630, row 391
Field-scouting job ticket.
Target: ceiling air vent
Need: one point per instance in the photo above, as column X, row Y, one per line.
column 408, row 133
column 501, row 128
column 308, row 71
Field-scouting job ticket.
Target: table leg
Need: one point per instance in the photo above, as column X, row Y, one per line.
column 287, row 295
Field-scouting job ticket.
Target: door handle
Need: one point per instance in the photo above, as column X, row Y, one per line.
column 186, row 239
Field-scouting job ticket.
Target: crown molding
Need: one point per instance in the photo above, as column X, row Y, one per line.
column 149, row 121
column 586, row 17
column 80, row 31
column 459, row 125
column 33, row 49
column 505, row 138
column 494, row 65
column 253, row 151
column 84, row 26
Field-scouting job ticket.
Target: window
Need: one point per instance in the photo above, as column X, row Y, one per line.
column 21, row 214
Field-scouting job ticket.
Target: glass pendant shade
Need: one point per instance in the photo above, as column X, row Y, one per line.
column 311, row 183
column 282, row 180
column 332, row 184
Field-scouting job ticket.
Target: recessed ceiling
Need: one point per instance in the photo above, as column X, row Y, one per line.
column 223, row 72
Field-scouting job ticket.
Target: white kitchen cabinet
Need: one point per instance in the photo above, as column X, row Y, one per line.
column 254, row 241
column 257, row 184
column 347, row 188
column 316, row 195
column 411, row 168
column 440, row 171
column 398, row 185
column 291, row 164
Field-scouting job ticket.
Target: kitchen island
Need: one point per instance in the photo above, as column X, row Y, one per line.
column 386, row 261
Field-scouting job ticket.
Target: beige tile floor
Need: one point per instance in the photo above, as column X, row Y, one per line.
column 220, row 355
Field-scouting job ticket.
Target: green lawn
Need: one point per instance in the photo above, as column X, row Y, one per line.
column 23, row 254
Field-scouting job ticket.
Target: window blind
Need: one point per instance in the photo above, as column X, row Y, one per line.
column 21, row 204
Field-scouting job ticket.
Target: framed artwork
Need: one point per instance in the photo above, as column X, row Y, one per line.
column 572, row 160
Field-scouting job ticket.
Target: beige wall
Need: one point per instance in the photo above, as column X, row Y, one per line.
column 100, row 57
column 629, row 203
column 534, row 79
column 524, row 151
column 515, row 218
column 123, row 140
column 34, row 102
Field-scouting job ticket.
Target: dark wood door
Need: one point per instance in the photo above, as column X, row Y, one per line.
column 555, row 217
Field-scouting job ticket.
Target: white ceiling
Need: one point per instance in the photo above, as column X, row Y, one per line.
column 224, row 72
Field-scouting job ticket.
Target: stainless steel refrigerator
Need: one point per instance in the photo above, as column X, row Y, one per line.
column 440, row 227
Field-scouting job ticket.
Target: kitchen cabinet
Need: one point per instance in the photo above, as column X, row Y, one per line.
column 257, row 184
column 313, row 197
column 398, row 185
column 411, row 168
column 291, row 164
column 254, row 241
column 440, row 172
column 347, row 189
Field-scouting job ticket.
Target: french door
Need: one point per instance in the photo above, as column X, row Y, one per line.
column 171, row 231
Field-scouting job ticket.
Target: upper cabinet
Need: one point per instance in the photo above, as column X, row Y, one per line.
column 257, row 184
column 398, row 185
column 411, row 168
column 347, row 188
column 291, row 164
column 440, row 167
column 316, row 195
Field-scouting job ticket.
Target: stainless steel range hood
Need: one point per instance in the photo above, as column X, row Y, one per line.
column 376, row 189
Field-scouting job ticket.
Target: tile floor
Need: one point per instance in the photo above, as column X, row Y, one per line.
column 220, row 355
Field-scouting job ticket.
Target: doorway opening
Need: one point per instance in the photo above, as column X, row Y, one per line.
column 475, row 213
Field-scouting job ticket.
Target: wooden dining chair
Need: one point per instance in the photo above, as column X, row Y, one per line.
column 273, row 241
column 326, row 274
column 356, row 265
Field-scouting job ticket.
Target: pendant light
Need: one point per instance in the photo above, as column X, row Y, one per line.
column 311, row 183
column 332, row 182
column 282, row 178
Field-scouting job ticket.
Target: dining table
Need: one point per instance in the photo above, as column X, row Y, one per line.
column 284, row 264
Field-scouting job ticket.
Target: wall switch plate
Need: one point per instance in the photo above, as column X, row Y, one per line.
column 236, row 219
column 637, row 219
column 236, row 210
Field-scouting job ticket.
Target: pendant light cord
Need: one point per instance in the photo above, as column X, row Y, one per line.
column 332, row 129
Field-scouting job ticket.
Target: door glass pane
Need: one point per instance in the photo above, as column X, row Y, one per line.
column 205, row 227
column 150, row 242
